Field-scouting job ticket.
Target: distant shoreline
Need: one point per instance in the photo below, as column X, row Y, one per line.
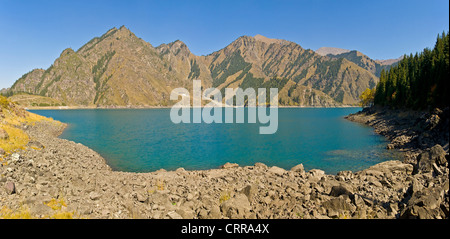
column 164, row 107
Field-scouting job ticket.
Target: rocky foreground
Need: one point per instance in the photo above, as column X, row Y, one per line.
column 57, row 170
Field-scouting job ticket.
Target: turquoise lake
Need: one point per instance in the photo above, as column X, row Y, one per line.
column 145, row 140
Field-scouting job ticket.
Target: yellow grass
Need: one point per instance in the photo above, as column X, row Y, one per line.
column 224, row 196
column 30, row 118
column 17, row 139
column 57, row 205
column 22, row 213
column 13, row 117
column 160, row 185
column 59, row 210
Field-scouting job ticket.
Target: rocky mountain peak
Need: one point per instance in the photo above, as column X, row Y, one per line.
column 124, row 31
column 323, row 51
column 178, row 45
column 389, row 61
column 67, row 51
column 269, row 41
column 67, row 55
column 175, row 48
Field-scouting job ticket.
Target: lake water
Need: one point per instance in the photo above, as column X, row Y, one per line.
column 145, row 140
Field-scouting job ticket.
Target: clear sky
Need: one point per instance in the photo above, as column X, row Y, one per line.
column 34, row 33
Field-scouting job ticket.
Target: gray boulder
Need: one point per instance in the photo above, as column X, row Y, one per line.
column 10, row 187
column 298, row 168
column 15, row 157
column 426, row 159
column 316, row 174
column 249, row 191
column 260, row 165
column 337, row 207
column 388, row 167
column 237, row 207
column 94, row 196
column 174, row 215
column 341, row 189
column 229, row 165
column 277, row 170
column 425, row 203
column 35, row 144
column 344, row 175
column 437, row 153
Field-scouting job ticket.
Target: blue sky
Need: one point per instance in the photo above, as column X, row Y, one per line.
column 34, row 33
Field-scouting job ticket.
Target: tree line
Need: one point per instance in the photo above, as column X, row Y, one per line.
column 419, row 81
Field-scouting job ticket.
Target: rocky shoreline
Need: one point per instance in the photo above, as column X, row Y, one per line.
column 57, row 169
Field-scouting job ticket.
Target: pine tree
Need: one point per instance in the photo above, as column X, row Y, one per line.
column 418, row 81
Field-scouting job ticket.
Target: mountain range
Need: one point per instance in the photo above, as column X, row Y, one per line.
column 119, row 69
column 374, row 66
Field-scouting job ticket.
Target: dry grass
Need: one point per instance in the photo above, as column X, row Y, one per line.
column 224, row 196
column 12, row 120
column 27, row 100
column 58, row 206
column 160, row 185
column 17, row 139
column 22, row 213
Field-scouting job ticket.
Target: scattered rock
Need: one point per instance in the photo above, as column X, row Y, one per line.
column 344, row 175
column 432, row 122
column 229, row 165
column 180, row 170
column 186, row 213
column 2, row 151
column 401, row 140
column 174, row 215
column 261, row 165
column 425, row 204
column 298, row 168
column 376, row 183
column 316, row 174
column 387, row 167
column 277, row 170
column 249, row 191
column 215, row 212
column 15, row 157
column 341, row 189
column 337, row 207
column 426, row 159
column 237, row 207
column 35, row 144
column 437, row 154
column 10, row 188
column 437, row 170
column 94, row 196
column 140, row 197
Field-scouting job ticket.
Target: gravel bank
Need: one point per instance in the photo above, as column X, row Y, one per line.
column 54, row 168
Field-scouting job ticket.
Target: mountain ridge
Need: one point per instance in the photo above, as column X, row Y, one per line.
column 362, row 60
column 120, row 69
column 324, row 51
